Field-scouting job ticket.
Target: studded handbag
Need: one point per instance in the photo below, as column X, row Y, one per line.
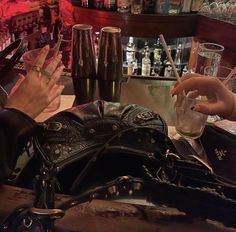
column 107, row 150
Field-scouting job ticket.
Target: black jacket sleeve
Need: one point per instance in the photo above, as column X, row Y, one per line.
column 15, row 130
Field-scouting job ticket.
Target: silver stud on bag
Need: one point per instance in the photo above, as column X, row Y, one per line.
column 91, row 131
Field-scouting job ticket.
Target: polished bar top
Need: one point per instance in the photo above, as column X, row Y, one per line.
column 112, row 216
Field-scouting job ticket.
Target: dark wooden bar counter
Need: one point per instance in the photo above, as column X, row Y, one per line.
column 107, row 216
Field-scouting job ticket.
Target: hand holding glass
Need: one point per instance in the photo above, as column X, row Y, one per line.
column 189, row 123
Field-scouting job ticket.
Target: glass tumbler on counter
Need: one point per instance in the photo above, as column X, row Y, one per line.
column 189, row 123
column 28, row 59
column 110, row 63
column 83, row 69
column 221, row 73
column 209, row 54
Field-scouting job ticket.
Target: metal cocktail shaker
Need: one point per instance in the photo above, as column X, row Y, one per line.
column 109, row 73
column 83, row 68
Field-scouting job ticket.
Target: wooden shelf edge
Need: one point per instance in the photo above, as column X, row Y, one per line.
column 144, row 25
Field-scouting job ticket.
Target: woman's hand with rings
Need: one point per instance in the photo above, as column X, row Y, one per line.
column 35, row 91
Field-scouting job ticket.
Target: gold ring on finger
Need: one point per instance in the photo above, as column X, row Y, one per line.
column 37, row 69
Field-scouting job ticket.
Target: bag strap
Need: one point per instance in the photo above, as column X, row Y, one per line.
column 20, row 46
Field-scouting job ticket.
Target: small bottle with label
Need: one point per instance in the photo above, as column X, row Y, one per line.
column 130, row 50
column 124, row 6
column 168, row 71
column 146, row 65
column 178, row 57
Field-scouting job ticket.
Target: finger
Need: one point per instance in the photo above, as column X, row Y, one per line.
column 55, row 92
column 51, row 67
column 18, row 83
column 42, row 56
column 207, row 108
column 55, row 76
column 195, row 83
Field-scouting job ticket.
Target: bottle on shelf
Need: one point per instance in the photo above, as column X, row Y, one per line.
column 124, row 6
column 196, row 5
column 130, row 50
column 185, row 70
column 109, row 5
column 149, row 6
column 168, row 71
column 146, row 64
column 178, row 59
column 157, row 63
column 186, row 6
column 166, row 63
column 99, row 4
column 130, row 57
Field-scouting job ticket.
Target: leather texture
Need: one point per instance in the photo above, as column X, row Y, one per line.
column 107, row 150
column 15, row 131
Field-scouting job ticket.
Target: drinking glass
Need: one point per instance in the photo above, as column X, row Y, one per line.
column 83, row 69
column 221, row 73
column 136, row 6
column 110, row 59
column 189, row 123
column 28, row 59
column 209, row 54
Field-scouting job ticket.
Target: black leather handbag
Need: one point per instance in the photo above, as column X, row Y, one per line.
column 108, row 150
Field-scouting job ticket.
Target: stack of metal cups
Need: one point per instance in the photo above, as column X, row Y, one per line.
column 109, row 71
column 83, row 69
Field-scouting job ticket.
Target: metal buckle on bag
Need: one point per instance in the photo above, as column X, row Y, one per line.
column 145, row 116
column 53, row 126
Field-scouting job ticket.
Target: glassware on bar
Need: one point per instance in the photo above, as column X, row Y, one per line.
column 83, row 69
column 209, row 54
column 110, row 64
column 189, row 123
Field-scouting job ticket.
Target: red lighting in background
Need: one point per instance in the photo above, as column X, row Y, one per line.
column 9, row 8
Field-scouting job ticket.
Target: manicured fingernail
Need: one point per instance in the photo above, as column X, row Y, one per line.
column 59, row 56
column 47, row 47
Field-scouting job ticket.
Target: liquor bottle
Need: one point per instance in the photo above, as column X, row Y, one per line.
column 124, row 6
column 99, row 4
column 146, row 64
column 166, row 62
column 168, row 71
column 175, row 6
column 196, row 5
column 186, row 6
column 132, row 67
column 110, row 5
column 130, row 50
column 145, row 49
column 149, row 6
column 157, row 63
column 178, row 58
column 185, row 70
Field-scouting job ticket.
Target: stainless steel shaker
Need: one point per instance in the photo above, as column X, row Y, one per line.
column 83, row 68
column 109, row 71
